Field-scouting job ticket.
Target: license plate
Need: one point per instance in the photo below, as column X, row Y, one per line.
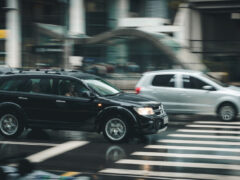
column 165, row 120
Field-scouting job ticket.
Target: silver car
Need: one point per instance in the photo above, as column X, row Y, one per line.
column 191, row 92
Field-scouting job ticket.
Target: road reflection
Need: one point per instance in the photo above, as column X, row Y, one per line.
column 38, row 134
column 115, row 153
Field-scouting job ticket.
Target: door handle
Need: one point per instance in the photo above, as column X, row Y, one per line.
column 60, row 101
column 23, row 98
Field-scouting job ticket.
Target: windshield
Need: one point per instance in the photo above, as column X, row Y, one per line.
column 216, row 80
column 102, row 87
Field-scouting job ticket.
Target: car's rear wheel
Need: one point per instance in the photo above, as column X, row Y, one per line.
column 116, row 129
column 11, row 124
column 227, row 112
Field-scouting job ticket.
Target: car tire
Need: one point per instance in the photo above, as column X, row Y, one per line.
column 116, row 129
column 11, row 124
column 227, row 112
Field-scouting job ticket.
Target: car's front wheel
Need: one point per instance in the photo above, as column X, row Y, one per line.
column 11, row 124
column 227, row 112
column 116, row 129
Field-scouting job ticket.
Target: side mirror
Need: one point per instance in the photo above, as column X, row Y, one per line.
column 208, row 88
column 88, row 94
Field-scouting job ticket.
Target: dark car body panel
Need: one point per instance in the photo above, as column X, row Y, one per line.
column 53, row 111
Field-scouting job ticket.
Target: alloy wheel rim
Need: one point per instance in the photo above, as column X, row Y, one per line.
column 8, row 124
column 227, row 113
column 115, row 129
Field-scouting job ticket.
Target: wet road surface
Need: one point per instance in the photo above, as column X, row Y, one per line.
column 193, row 147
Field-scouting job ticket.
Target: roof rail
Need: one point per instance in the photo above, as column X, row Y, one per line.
column 52, row 72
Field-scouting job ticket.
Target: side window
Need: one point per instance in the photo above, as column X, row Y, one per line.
column 167, row 80
column 67, row 87
column 38, row 85
column 190, row 82
column 12, row 84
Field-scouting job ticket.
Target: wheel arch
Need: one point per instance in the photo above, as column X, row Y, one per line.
column 6, row 106
column 110, row 111
column 227, row 102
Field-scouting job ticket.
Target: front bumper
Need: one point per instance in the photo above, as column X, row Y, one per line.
column 153, row 124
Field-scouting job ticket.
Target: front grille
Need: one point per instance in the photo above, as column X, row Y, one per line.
column 157, row 124
column 159, row 110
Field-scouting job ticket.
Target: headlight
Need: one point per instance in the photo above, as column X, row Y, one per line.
column 144, row 111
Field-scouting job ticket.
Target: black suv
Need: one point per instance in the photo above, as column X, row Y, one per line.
column 74, row 101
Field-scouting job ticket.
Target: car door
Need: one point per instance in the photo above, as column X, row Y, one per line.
column 195, row 99
column 165, row 88
column 38, row 101
column 33, row 96
column 74, row 111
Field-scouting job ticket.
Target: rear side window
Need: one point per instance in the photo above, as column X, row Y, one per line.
column 31, row 85
column 39, row 85
column 12, row 84
column 166, row 80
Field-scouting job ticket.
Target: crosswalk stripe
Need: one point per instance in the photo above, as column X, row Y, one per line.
column 217, row 122
column 180, row 164
column 28, row 143
column 161, row 174
column 193, row 148
column 200, row 142
column 213, row 126
column 203, row 136
column 208, row 131
column 179, row 155
column 55, row 151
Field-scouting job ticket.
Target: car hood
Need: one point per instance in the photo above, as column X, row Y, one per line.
column 133, row 99
column 234, row 89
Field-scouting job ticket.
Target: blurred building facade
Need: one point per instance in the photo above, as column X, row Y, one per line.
column 42, row 27
column 209, row 32
column 63, row 33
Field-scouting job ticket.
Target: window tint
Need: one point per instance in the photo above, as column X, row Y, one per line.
column 12, row 84
column 31, row 85
column 68, row 87
column 164, row 80
column 38, row 85
column 190, row 82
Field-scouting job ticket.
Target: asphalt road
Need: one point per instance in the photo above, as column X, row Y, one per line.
column 193, row 147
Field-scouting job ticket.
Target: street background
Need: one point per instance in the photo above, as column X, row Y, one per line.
column 119, row 40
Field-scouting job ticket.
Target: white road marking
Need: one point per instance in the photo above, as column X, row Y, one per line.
column 180, row 155
column 161, row 174
column 180, row 164
column 28, row 143
column 193, row 148
column 204, row 136
column 213, row 126
column 55, row 151
column 217, row 122
column 208, row 131
column 200, row 142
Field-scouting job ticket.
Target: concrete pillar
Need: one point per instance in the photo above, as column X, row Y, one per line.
column 190, row 25
column 77, row 17
column 117, row 9
column 77, row 26
column 13, row 40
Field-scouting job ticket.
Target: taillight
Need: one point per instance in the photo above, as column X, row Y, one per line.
column 138, row 89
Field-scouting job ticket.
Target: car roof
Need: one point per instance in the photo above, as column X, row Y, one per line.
column 173, row 71
column 49, row 72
